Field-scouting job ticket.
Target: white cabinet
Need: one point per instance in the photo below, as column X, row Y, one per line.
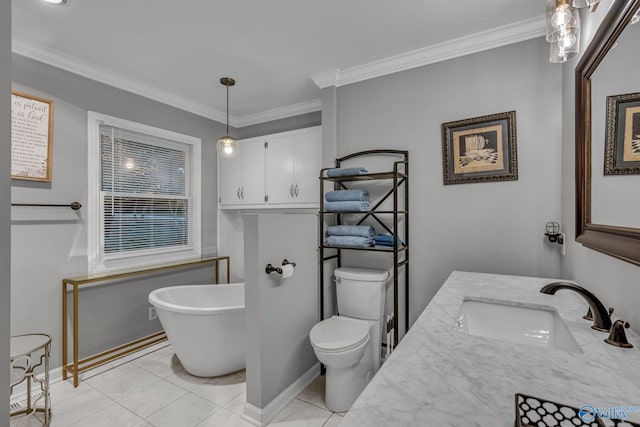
column 242, row 177
column 280, row 170
column 253, row 188
column 293, row 164
column 273, row 171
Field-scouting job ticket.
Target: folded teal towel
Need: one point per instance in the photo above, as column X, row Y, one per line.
column 349, row 241
column 385, row 240
column 346, row 195
column 346, row 171
column 387, row 244
column 346, row 206
column 351, row 230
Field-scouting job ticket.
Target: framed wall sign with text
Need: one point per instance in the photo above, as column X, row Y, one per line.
column 31, row 137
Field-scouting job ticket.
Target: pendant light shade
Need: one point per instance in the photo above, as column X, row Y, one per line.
column 227, row 146
column 563, row 31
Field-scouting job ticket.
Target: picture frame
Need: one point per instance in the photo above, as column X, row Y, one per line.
column 622, row 147
column 480, row 149
column 31, row 137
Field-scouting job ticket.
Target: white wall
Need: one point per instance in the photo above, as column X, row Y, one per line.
column 488, row 227
column 616, row 283
column 280, row 312
column 49, row 244
column 5, row 202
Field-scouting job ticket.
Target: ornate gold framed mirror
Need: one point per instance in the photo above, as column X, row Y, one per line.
column 604, row 233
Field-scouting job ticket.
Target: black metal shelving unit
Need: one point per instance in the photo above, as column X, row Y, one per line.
column 399, row 187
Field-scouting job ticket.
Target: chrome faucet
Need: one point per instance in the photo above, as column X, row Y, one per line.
column 601, row 319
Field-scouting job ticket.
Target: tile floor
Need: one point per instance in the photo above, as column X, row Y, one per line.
column 150, row 388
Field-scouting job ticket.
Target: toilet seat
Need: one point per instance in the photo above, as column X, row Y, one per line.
column 338, row 334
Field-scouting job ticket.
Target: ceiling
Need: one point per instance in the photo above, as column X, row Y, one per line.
column 175, row 52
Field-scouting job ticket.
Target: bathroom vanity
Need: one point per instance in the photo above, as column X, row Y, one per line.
column 440, row 375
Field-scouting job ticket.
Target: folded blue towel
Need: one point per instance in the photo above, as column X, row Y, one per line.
column 385, row 240
column 349, row 241
column 351, row 230
column 346, row 206
column 346, row 171
column 342, row 195
column 387, row 244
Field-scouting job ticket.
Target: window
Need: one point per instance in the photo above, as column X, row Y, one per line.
column 144, row 193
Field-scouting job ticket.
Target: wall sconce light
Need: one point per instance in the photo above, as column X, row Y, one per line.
column 553, row 233
column 563, row 31
column 227, row 146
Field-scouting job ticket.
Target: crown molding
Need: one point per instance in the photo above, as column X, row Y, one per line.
column 496, row 37
column 500, row 36
column 326, row 78
column 280, row 113
column 91, row 71
column 74, row 65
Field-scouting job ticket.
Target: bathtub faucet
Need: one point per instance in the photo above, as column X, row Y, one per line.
column 601, row 319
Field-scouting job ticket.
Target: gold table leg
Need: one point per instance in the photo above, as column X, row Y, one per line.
column 64, row 330
column 75, row 335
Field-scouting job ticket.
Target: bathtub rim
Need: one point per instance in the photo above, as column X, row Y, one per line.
column 177, row 308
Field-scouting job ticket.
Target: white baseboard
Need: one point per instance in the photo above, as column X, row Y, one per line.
column 261, row 417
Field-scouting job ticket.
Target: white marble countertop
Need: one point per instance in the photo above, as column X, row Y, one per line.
column 440, row 377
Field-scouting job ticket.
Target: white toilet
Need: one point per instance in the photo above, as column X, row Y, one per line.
column 350, row 344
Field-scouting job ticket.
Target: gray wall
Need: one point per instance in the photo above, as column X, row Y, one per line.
column 280, row 312
column 616, row 282
column 489, row 227
column 5, row 201
column 50, row 244
column 282, row 125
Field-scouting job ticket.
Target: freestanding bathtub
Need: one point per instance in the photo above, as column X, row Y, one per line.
column 205, row 325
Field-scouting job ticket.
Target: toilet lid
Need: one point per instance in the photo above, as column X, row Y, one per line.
column 339, row 333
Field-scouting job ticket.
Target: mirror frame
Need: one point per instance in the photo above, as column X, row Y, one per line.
column 620, row 242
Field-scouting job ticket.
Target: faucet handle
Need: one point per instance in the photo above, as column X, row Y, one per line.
column 617, row 336
column 589, row 315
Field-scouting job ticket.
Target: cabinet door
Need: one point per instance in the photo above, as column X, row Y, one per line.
column 307, row 154
column 280, row 177
column 230, row 180
column 253, row 189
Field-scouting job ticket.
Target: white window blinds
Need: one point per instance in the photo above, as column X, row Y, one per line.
column 146, row 197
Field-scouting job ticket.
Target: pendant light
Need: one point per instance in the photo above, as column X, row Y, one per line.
column 563, row 30
column 227, row 146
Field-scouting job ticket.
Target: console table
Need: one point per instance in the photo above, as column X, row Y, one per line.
column 80, row 365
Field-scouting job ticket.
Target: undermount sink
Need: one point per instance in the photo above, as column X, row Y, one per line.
column 509, row 321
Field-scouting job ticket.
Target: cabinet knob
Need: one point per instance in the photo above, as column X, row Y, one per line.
column 242, row 192
column 291, row 190
column 238, row 192
column 296, row 190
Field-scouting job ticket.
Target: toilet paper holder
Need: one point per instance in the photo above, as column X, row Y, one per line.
column 271, row 269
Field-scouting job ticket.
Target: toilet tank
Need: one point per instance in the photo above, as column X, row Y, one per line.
column 361, row 292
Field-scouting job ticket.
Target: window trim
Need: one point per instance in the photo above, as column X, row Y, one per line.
column 94, row 235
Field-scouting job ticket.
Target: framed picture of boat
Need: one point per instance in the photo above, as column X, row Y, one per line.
column 622, row 149
column 481, row 149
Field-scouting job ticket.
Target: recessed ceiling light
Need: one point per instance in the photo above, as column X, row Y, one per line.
column 56, row 2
